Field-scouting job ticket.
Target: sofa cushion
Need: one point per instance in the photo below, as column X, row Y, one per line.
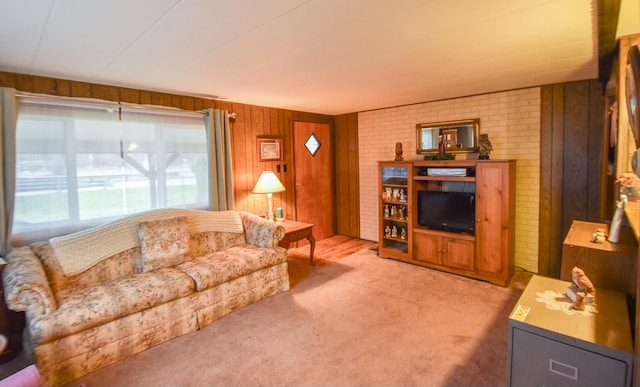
column 225, row 265
column 163, row 243
column 88, row 306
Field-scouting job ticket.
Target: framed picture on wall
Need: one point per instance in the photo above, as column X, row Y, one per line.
column 269, row 149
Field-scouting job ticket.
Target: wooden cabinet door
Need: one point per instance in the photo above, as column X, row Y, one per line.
column 493, row 201
column 427, row 248
column 458, row 253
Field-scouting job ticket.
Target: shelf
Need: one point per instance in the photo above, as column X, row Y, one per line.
column 444, row 178
column 401, row 220
column 396, row 239
column 393, row 202
column 398, row 246
column 398, row 185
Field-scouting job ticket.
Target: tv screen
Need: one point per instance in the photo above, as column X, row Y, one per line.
column 447, row 211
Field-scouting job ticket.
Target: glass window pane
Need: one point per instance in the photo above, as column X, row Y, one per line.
column 82, row 164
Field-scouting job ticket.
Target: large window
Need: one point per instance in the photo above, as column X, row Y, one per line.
column 82, row 164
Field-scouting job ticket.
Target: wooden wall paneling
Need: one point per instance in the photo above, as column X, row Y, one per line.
column 63, row 88
column 129, row 95
column 546, row 187
column 108, row 93
column 7, row 80
column 25, row 83
column 557, row 178
column 346, row 172
column 354, row 178
column 44, row 85
column 571, row 159
column 80, row 89
column 286, row 174
column 598, row 148
column 275, row 130
column 145, row 97
column 161, row 99
column 289, row 165
column 258, row 129
column 341, row 149
column 243, row 158
column 575, row 155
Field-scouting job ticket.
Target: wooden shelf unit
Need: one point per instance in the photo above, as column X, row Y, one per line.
column 487, row 255
column 394, row 184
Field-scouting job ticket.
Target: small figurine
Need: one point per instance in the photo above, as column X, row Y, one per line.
column 484, row 146
column 399, row 151
column 394, row 232
column 442, row 145
column 387, row 193
column 598, row 236
column 582, row 286
column 395, row 195
column 387, row 231
column 386, row 210
column 394, row 212
column 403, row 196
column 403, row 234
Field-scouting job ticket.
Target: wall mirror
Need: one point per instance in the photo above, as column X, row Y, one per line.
column 458, row 136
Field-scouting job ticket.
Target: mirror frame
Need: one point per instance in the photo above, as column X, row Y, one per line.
column 448, row 125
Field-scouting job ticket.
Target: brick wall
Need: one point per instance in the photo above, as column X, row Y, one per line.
column 512, row 120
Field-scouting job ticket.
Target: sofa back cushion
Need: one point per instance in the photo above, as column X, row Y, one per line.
column 117, row 266
column 80, row 251
column 163, row 243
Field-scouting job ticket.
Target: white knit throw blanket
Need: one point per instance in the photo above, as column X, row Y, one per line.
column 79, row 251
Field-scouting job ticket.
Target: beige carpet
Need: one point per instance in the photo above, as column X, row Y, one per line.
column 358, row 321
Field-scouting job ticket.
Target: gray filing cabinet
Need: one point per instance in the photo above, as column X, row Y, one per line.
column 548, row 347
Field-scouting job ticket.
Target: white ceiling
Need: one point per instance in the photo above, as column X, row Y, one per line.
column 323, row 56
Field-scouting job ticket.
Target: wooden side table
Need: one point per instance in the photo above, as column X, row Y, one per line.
column 295, row 231
column 608, row 265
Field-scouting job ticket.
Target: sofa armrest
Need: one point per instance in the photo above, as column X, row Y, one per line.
column 261, row 232
column 25, row 284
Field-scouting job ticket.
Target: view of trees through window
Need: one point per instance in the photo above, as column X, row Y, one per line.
column 82, row 164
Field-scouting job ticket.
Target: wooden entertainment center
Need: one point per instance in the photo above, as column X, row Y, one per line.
column 486, row 252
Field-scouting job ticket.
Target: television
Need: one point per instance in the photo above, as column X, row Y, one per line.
column 447, row 211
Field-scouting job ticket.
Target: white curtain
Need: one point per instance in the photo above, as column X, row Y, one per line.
column 8, row 119
column 220, row 167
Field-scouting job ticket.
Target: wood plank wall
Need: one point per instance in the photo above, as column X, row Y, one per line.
column 250, row 122
column 572, row 163
column 347, row 183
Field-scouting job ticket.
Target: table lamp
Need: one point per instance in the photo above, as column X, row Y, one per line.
column 268, row 183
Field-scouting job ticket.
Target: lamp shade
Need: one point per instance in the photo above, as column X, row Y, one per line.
column 268, row 183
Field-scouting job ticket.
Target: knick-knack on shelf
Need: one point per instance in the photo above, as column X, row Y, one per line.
column 484, row 146
column 399, row 151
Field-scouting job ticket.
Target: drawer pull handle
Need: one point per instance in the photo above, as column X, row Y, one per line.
column 562, row 369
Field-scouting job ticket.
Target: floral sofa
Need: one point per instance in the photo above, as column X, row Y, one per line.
column 95, row 297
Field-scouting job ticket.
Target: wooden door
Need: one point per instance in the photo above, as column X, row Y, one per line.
column 493, row 223
column 427, row 248
column 313, row 161
column 458, row 253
